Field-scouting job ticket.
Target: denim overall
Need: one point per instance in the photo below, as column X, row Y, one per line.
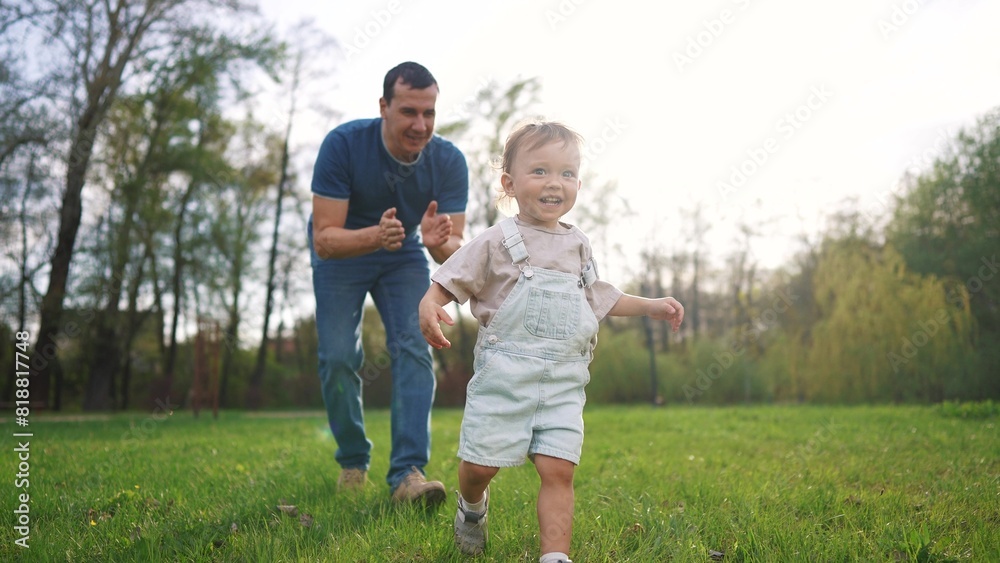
column 527, row 393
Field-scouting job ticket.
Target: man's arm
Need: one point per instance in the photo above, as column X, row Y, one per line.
column 332, row 240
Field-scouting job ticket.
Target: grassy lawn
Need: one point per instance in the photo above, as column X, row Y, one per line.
column 670, row 484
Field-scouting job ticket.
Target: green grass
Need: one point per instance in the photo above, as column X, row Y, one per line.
column 670, row 484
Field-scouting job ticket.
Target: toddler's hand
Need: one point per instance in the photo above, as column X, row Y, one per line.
column 430, row 315
column 668, row 309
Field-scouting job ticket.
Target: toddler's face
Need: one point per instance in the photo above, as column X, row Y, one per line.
column 545, row 182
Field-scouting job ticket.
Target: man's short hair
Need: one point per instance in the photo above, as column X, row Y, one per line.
column 411, row 73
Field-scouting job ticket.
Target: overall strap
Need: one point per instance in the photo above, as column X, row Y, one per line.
column 513, row 241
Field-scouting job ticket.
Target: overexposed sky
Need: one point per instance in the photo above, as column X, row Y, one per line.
column 754, row 109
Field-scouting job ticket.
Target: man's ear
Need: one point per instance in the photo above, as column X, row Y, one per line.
column 383, row 106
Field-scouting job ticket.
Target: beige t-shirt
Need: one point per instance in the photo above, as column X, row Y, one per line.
column 481, row 271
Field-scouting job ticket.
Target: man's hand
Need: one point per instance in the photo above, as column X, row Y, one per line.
column 435, row 229
column 391, row 231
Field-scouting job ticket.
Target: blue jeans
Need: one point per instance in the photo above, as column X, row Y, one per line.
column 396, row 282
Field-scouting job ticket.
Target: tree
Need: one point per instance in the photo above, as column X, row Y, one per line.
column 148, row 142
column 494, row 111
column 948, row 221
column 947, row 224
column 94, row 48
column 884, row 333
column 240, row 206
column 695, row 237
column 307, row 41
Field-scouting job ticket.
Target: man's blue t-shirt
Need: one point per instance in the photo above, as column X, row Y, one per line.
column 354, row 165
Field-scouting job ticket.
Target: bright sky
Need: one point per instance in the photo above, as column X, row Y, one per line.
column 812, row 101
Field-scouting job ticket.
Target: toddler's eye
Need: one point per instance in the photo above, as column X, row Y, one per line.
column 569, row 174
column 538, row 171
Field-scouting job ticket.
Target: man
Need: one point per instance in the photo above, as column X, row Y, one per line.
column 384, row 189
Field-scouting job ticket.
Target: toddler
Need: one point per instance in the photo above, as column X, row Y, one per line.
column 532, row 284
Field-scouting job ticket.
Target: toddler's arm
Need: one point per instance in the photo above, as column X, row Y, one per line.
column 432, row 313
column 664, row 308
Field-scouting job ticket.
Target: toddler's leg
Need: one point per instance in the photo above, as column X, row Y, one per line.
column 555, row 503
column 473, row 503
column 473, row 480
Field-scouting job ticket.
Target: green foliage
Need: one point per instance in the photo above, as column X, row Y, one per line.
column 883, row 333
column 970, row 409
column 948, row 222
column 947, row 225
column 619, row 372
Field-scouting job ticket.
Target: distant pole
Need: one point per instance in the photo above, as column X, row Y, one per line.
column 647, row 324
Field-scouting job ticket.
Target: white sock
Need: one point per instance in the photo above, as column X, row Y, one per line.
column 553, row 557
column 476, row 507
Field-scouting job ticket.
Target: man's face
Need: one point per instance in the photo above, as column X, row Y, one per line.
column 408, row 120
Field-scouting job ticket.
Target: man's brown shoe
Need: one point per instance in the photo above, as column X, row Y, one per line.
column 352, row 479
column 415, row 488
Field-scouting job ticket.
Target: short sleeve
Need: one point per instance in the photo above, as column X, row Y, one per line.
column 602, row 297
column 331, row 173
column 465, row 272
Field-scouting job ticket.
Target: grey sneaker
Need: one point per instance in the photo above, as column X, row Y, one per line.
column 352, row 479
column 416, row 488
column 470, row 527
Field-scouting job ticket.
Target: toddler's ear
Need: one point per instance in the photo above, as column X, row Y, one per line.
column 507, row 182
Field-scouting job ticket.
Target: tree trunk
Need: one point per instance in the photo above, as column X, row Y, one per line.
column 231, row 345
column 695, row 309
column 647, row 325
column 135, row 322
column 102, row 89
column 232, row 339
column 254, row 400
column 177, row 289
column 52, row 324
column 106, row 363
column 22, row 289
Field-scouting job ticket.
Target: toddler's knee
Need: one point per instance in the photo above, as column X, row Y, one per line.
column 555, row 470
column 479, row 472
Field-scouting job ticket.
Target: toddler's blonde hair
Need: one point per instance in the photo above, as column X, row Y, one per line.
column 530, row 135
